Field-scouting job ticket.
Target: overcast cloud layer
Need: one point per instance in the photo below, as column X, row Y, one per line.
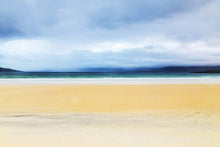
column 74, row 34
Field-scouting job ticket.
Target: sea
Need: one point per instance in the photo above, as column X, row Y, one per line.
column 11, row 75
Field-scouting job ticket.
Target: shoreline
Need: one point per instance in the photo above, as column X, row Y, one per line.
column 107, row 81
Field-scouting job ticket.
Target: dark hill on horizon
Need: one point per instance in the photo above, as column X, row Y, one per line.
column 7, row 70
column 188, row 69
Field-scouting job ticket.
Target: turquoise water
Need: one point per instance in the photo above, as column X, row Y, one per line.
column 6, row 75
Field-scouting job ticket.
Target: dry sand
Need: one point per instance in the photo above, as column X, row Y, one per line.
column 155, row 128
column 109, row 115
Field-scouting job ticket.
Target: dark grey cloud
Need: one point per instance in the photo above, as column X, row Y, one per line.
column 49, row 18
column 26, row 17
column 124, row 12
column 8, row 28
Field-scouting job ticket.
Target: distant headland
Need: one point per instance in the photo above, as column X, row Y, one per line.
column 176, row 69
column 7, row 70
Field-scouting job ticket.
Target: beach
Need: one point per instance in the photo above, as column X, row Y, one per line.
column 110, row 112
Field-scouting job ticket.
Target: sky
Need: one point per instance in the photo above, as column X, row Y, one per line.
column 68, row 35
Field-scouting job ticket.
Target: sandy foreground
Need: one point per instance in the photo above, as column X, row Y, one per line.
column 135, row 114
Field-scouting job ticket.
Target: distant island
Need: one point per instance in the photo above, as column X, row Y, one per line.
column 209, row 71
column 7, row 70
column 176, row 69
column 189, row 69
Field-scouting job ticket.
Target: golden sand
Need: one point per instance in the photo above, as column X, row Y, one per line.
column 109, row 98
column 177, row 115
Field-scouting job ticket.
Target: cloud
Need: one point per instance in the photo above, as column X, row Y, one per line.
column 75, row 18
column 46, row 55
column 123, row 12
column 59, row 35
column 8, row 29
